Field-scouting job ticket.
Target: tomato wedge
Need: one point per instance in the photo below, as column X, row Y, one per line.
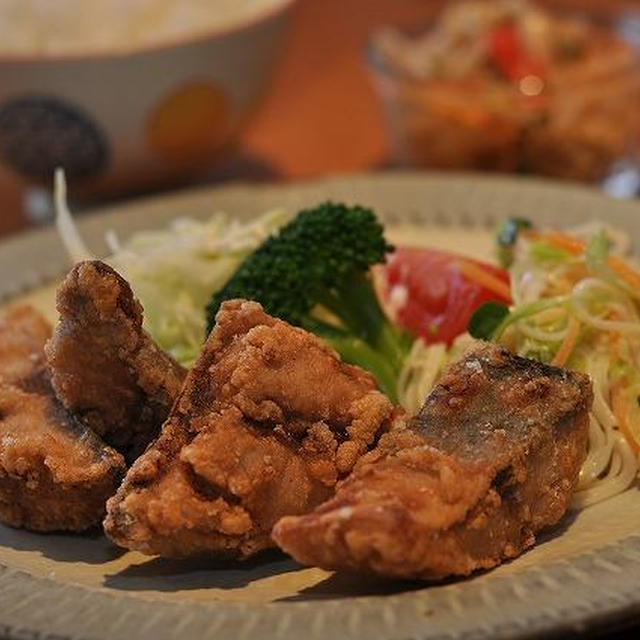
column 434, row 293
column 509, row 54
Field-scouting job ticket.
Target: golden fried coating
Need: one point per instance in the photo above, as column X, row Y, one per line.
column 267, row 422
column 23, row 333
column 55, row 474
column 492, row 458
column 105, row 368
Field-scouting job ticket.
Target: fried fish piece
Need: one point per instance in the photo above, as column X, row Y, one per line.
column 105, row 368
column 491, row 459
column 268, row 421
column 23, row 333
column 55, row 474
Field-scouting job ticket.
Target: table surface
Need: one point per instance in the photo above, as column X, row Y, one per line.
column 332, row 124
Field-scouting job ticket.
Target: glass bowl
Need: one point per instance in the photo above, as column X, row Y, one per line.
column 580, row 123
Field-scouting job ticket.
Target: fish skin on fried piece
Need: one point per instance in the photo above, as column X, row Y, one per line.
column 491, row 459
column 105, row 368
column 55, row 474
column 268, row 421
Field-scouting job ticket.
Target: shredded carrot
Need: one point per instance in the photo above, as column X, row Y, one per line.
column 561, row 240
column 569, row 342
column 485, row 279
column 625, row 272
column 620, row 404
column 462, row 112
column 577, row 247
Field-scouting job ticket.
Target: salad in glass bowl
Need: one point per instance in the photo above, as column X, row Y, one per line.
column 506, row 85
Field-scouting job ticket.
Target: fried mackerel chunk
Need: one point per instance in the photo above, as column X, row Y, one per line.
column 23, row 333
column 55, row 474
column 268, row 421
column 492, row 458
column 105, row 368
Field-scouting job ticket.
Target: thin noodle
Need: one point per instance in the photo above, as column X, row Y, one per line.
column 622, row 472
column 419, row 373
column 588, row 318
column 600, row 446
column 543, row 336
column 601, row 410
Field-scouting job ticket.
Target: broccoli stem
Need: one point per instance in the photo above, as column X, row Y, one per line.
column 395, row 343
column 356, row 351
column 344, row 312
column 360, row 302
column 353, row 350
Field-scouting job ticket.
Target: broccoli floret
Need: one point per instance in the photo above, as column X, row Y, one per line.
column 315, row 274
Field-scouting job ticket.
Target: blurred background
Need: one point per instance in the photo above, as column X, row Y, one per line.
column 285, row 90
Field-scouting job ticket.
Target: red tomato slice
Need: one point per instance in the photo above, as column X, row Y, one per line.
column 430, row 295
column 508, row 53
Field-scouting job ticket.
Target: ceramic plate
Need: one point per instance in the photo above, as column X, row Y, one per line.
column 582, row 575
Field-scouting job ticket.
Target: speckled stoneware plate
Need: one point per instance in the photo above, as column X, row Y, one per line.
column 585, row 574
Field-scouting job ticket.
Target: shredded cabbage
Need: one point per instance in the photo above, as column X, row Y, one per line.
column 75, row 246
column 174, row 271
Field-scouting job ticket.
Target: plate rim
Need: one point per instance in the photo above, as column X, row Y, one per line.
column 16, row 585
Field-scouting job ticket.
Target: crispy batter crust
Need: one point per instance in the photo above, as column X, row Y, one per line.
column 105, row 367
column 492, row 458
column 23, row 333
column 55, row 474
column 267, row 422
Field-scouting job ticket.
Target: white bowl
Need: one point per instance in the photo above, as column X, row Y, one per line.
column 135, row 117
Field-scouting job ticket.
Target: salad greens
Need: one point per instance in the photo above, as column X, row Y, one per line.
column 174, row 271
column 317, row 267
column 486, row 319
